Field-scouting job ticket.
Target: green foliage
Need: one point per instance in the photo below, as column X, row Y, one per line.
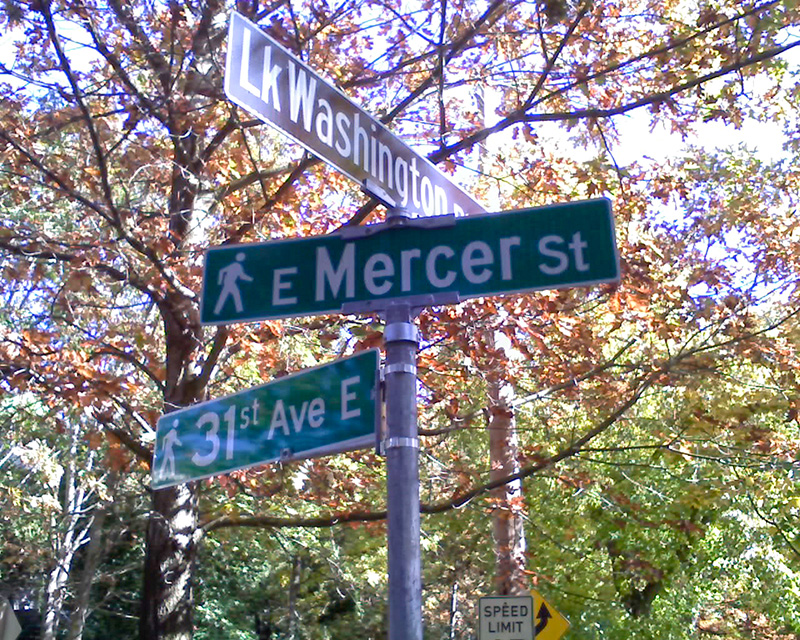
column 316, row 584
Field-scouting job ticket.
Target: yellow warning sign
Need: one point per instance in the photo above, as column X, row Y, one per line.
column 549, row 624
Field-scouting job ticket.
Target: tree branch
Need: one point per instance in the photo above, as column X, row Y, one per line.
column 520, row 115
column 135, row 243
column 533, row 396
column 50, row 175
column 99, row 153
column 150, row 107
column 35, row 252
column 455, row 502
column 489, row 16
column 154, row 58
column 130, row 359
column 552, row 60
column 218, row 344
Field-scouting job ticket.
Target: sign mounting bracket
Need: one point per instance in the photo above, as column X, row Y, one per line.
column 400, row 220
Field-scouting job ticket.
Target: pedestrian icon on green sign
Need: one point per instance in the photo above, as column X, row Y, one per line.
column 168, row 460
column 328, row 409
column 228, row 277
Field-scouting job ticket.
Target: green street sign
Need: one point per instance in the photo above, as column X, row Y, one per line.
column 445, row 257
column 320, row 411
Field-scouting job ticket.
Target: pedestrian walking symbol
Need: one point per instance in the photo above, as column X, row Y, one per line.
column 170, row 440
column 228, row 278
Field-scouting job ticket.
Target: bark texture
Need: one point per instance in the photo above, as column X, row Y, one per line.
column 507, row 517
column 167, row 596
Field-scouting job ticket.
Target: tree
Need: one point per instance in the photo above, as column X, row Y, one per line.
column 122, row 161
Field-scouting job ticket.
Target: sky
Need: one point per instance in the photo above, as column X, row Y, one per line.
column 765, row 138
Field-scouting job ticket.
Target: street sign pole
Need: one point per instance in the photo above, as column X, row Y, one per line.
column 401, row 341
column 402, row 468
column 439, row 258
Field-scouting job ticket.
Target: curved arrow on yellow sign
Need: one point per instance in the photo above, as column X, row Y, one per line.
column 549, row 623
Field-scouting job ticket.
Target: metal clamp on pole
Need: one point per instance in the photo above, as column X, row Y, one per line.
column 399, row 443
column 401, row 332
column 397, row 219
column 400, row 368
column 415, row 302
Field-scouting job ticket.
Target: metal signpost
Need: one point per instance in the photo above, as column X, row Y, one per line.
column 364, row 268
column 395, row 268
column 329, row 409
column 271, row 83
column 402, row 471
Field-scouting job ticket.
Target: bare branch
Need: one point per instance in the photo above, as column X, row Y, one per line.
column 130, row 359
column 218, row 344
column 489, row 17
column 155, row 59
column 99, row 153
column 551, row 61
column 521, row 115
column 455, row 502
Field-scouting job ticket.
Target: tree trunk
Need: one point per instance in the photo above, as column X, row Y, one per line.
column 56, row 583
column 507, row 523
column 507, row 517
column 453, row 610
column 294, row 589
column 68, row 542
column 93, row 554
column 171, row 551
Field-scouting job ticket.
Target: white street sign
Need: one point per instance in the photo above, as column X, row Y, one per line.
column 271, row 83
